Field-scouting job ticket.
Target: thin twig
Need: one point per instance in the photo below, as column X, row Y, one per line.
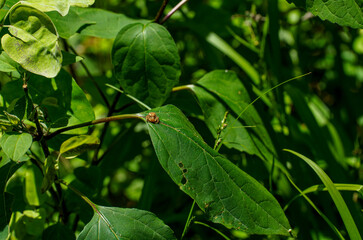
column 161, row 11
column 103, row 96
column 179, row 5
column 94, row 122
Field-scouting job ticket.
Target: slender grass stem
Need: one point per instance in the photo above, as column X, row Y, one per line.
column 179, row 5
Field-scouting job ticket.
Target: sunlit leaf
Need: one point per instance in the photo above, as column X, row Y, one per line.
column 223, row 191
column 33, row 41
column 60, row 6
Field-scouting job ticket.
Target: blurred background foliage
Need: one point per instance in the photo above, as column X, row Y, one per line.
column 320, row 116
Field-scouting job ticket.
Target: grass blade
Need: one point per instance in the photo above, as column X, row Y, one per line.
column 334, row 193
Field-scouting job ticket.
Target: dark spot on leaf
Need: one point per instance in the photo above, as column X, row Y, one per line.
column 181, row 165
column 185, row 170
column 184, row 181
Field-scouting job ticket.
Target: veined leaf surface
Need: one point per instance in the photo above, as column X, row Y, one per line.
column 226, row 193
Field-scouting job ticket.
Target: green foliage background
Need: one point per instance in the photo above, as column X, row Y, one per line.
column 264, row 43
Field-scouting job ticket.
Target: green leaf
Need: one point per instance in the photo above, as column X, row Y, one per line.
column 334, row 193
column 58, row 232
column 119, row 223
column 90, row 22
column 146, row 62
column 15, row 144
column 33, row 181
column 220, row 91
column 60, row 6
column 62, row 100
column 227, row 194
column 343, row 12
column 2, row 3
column 7, row 64
column 75, row 146
column 33, row 42
column 69, row 58
column 6, row 171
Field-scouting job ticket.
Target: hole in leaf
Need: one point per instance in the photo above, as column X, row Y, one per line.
column 181, row 165
column 184, row 181
column 185, row 170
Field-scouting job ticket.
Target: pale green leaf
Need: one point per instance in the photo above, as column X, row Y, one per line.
column 33, row 41
column 33, row 181
column 122, row 223
column 75, row 146
column 15, row 144
column 146, row 62
column 223, row 191
column 60, row 6
column 7, row 64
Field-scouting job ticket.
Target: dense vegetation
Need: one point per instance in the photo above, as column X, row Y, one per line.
column 151, row 119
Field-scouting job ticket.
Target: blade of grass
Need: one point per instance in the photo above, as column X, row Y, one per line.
column 334, row 193
column 340, row 186
column 214, row 229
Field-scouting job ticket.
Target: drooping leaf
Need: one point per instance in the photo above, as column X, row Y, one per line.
column 33, row 42
column 62, row 100
column 221, row 91
column 60, row 6
column 146, row 62
column 227, row 194
column 75, row 146
column 343, row 12
column 16, row 144
column 120, row 223
column 90, row 22
column 6, row 171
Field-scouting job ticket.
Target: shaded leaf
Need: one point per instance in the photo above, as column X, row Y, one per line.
column 90, row 22
column 7, row 64
column 49, row 172
column 146, row 62
column 120, row 223
column 33, row 181
column 15, row 144
column 58, row 232
column 6, row 171
column 75, row 146
column 60, row 6
column 33, row 42
column 62, row 100
column 69, row 58
column 221, row 91
column 343, row 12
column 226, row 193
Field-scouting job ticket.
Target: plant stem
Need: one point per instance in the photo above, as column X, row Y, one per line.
column 214, row 229
column 161, row 11
column 184, row 87
column 189, row 220
column 129, row 96
column 97, row 121
column 179, row 5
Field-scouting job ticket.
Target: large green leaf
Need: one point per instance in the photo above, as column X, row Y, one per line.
column 226, row 193
column 146, row 62
column 58, row 232
column 62, row 100
column 220, row 91
column 7, row 64
column 119, row 223
column 6, row 171
column 60, row 6
column 16, row 144
column 90, row 22
column 33, row 42
column 343, row 12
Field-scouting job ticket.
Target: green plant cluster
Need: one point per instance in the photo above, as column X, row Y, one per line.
column 181, row 119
